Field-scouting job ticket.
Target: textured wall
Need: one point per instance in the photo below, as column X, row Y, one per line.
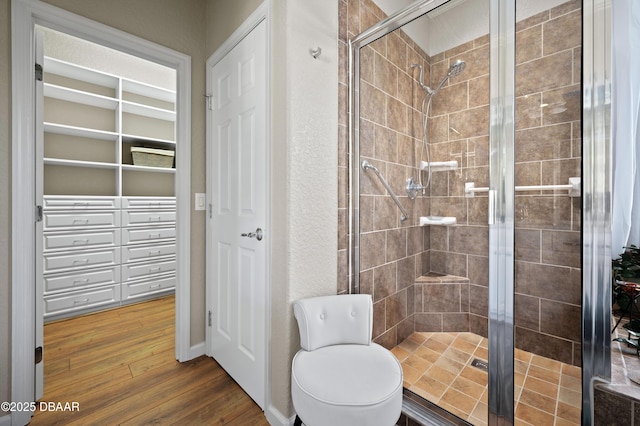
column 304, row 172
column 547, row 235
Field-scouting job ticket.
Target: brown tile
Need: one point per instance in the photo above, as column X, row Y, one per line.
column 428, row 322
column 400, row 353
column 548, row 72
column 370, row 253
column 561, row 248
column 450, row 365
column 470, row 239
column 480, row 414
column 385, row 214
column 568, row 412
column 532, row 20
column 564, row 32
column 417, row 362
column 468, row 387
column 457, row 355
column 428, row 354
column 544, row 374
column 570, row 397
column 562, row 105
column 397, row 115
column 440, row 374
column 396, row 308
column 410, row 375
column 442, row 298
column 482, row 353
column 475, row 375
column 543, row 143
column 479, row 91
column 430, row 385
column 450, row 99
column 372, row 104
column 455, row 321
column 572, row 370
column 529, row 44
column 396, row 244
column 470, row 123
column 533, row 416
column 536, row 400
column 521, row 355
column 561, row 319
column 542, row 281
column 463, row 345
column 571, row 382
column 457, row 399
column 379, row 321
column 384, row 281
column 385, row 75
column 549, row 364
column 436, row 345
column 528, row 111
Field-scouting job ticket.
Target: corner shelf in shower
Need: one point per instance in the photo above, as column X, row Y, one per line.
column 437, row 220
column 439, row 166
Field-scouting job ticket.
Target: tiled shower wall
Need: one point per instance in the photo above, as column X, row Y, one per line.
column 548, row 291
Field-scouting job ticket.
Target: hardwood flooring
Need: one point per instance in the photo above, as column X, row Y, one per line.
column 119, row 367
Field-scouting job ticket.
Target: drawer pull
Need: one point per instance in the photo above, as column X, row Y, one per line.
column 85, row 260
column 154, row 218
column 83, row 242
column 83, row 281
column 80, row 221
column 154, row 235
column 152, row 286
column 154, row 252
column 81, row 302
column 155, row 269
column 80, row 203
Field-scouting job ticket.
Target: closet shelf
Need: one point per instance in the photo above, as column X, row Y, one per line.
column 133, row 168
column 78, row 163
column 63, row 129
column 79, row 97
column 126, row 138
column 148, row 111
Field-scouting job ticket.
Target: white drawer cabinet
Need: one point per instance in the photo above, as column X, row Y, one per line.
column 57, row 305
column 81, row 240
column 52, row 202
column 146, row 218
column 140, row 270
column 147, row 235
column 144, row 288
column 105, row 251
column 78, row 220
column 147, row 252
column 80, row 280
column 59, row 261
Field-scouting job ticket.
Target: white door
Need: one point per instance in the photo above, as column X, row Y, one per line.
column 39, row 192
column 237, row 239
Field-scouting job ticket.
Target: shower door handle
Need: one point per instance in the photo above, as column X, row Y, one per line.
column 257, row 235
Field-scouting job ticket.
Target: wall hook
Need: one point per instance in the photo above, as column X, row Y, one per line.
column 315, row 52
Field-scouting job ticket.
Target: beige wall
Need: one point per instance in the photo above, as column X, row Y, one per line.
column 303, row 158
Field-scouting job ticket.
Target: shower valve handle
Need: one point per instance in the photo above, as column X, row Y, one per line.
column 257, row 235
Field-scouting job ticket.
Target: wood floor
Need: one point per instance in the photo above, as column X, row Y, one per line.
column 119, row 367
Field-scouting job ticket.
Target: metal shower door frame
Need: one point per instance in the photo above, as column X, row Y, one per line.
column 596, row 187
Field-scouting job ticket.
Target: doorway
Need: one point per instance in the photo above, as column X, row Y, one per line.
column 26, row 15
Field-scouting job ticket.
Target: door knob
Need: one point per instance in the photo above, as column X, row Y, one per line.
column 257, row 235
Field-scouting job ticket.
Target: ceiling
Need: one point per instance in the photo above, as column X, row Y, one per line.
column 457, row 21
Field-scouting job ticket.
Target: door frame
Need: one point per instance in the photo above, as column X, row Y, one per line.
column 25, row 15
column 260, row 14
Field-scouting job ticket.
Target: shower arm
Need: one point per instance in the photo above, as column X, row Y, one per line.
column 366, row 166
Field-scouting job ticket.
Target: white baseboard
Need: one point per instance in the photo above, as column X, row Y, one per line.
column 275, row 417
column 197, row 350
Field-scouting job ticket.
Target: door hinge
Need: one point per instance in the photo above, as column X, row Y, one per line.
column 38, row 213
column 209, row 102
column 209, row 318
column 210, row 211
column 38, row 72
column 38, row 354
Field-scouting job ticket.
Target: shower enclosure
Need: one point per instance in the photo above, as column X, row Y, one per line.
column 478, row 209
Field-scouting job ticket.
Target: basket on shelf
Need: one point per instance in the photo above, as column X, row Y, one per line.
column 152, row 157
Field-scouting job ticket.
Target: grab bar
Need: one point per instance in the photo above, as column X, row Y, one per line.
column 573, row 188
column 366, row 166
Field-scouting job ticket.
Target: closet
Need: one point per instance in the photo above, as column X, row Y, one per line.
column 108, row 191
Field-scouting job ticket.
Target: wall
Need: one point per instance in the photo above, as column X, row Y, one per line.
column 304, row 172
column 5, row 200
column 548, row 292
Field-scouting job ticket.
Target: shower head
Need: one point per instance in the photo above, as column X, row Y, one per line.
column 455, row 69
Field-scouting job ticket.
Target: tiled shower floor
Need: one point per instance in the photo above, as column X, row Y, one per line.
column 437, row 366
